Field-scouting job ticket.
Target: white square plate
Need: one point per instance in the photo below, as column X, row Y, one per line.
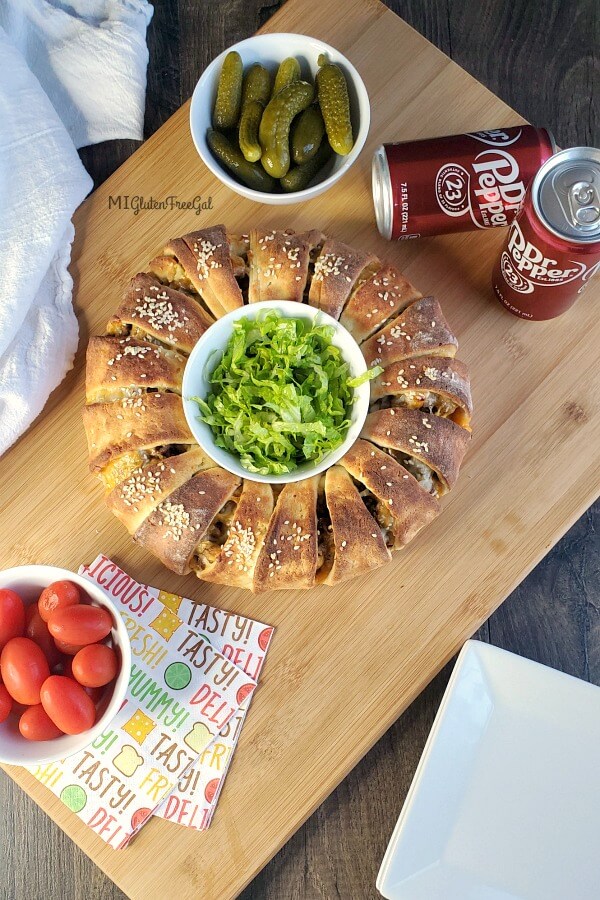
column 505, row 802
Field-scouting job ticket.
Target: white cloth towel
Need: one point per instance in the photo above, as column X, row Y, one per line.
column 42, row 180
column 90, row 57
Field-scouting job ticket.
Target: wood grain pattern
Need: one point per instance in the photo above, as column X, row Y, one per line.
column 343, row 873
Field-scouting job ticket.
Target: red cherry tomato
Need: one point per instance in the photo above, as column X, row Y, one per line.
column 95, row 665
column 37, row 630
column 24, row 669
column 12, row 616
column 58, row 595
column 36, row 725
column 80, row 624
column 6, row 703
column 67, row 704
column 69, row 649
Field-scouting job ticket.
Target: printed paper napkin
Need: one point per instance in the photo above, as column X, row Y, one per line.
column 183, row 692
column 245, row 642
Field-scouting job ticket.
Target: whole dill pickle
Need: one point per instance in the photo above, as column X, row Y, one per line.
column 299, row 177
column 229, row 92
column 332, row 92
column 274, row 131
column 287, row 73
column 251, row 174
column 256, row 85
column 307, row 134
column 248, row 134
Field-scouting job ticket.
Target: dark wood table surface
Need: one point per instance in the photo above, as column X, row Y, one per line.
column 540, row 58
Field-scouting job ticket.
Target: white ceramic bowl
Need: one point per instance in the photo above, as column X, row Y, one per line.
column 198, row 369
column 270, row 50
column 28, row 582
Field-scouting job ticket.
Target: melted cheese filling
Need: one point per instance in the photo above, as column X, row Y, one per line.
column 429, row 400
column 426, row 477
column 123, row 466
column 210, row 547
column 380, row 512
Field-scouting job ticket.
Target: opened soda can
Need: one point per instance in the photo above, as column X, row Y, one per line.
column 553, row 246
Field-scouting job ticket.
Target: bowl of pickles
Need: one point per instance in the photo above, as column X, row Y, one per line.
column 280, row 118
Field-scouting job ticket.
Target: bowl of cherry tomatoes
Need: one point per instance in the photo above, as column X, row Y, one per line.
column 65, row 660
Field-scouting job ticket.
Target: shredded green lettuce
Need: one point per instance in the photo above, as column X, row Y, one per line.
column 281, row 394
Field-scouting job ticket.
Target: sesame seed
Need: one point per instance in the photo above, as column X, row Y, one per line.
column 175, row 517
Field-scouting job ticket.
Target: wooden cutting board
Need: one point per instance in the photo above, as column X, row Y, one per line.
column 344, row 662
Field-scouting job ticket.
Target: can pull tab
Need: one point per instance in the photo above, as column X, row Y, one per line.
column 584, row 205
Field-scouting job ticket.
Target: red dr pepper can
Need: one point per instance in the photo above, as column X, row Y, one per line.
column 457, row 183
column 553, row 246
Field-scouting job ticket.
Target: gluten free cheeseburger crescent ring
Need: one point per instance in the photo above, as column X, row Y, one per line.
column 197, row 517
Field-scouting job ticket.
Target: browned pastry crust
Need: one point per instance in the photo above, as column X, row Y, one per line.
column 154, row 310
column 435, row 384
column 135, row 497
column 288, row 557
column 113, row 429
column 116, row 368
column 403, row 507
column 338, row 269
column 420, row 329
column 195, row 516
column 358, row 541
column 206, row 259
column 175, row 527
column 235, row 559
column 437, row 443
column 278, row 263
column 377, row 299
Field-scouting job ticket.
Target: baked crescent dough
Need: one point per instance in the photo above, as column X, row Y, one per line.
column 176, row 526
column 288, row 556
column 114, row 364
column 139, row 494
column 207, row 259
column 377, row 300
column 411, row 435
column 278, row 264
column 435, row 384
column 234, row 560
column 338, row 270
column 419, row 330
column 154, row 311
column 358, row 542
column 398, row 502
column 197, row 517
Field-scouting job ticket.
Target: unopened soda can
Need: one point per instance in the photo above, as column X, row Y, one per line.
column 457, row 183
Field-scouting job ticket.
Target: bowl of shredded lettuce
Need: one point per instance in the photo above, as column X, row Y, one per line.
column 276, row 391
